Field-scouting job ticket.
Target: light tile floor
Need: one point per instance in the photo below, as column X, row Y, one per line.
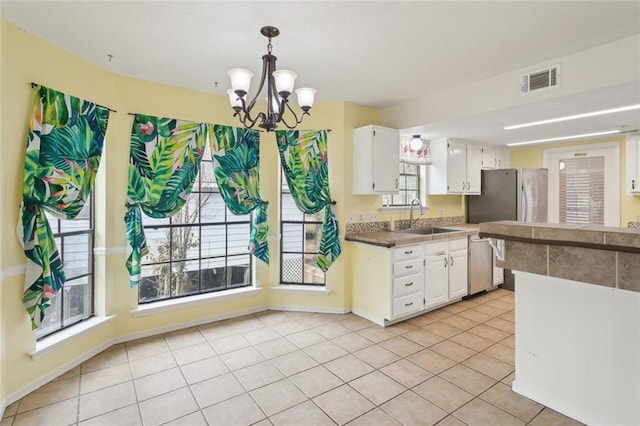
column 452, row 366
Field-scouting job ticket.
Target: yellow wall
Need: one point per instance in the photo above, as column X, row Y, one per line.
column 533, row 157
column 23, row 56
column 2, row 334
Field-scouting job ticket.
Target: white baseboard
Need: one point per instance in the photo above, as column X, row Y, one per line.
column 319, row 310
column 368, row 316
column 57, row 372
column 560, row 406
column 183, row 325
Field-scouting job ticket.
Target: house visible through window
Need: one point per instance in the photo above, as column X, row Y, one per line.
column 202, row 248
column 300, row 242
column 409, row 186
column 74, row 302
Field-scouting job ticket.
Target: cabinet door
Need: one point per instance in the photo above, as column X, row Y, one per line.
column 457, row 274
column 489, row 157
column 473, row 169
column 503, row 156
column 633, row 164
column 456, row 166
column 436, row 283
column 386, row 166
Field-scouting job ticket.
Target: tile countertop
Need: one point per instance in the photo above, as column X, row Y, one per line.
column 398, row 238
column 572, row 235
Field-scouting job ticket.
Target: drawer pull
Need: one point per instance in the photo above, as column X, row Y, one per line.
column 408, row 304
column 408, row 252
column 408, row 267
column 409, row 284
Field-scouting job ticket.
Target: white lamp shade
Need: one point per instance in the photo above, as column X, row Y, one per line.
column 285, row 80
column 234, row 100
column 240, row 79
column 416, row 143
column 306, row 96
column 275, row 104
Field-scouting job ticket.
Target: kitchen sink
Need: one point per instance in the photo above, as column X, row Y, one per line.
column 427, row 231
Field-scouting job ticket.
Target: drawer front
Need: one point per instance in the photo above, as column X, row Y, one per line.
column 439, row 247
column 407, row 304
column 407, row 285
column 407, row 267
column 408, row 252
column 457, row 244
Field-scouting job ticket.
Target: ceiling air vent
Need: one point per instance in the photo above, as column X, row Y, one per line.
column 542, row 79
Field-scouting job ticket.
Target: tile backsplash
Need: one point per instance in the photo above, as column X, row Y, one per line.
column 633, row 224
column 359, row 228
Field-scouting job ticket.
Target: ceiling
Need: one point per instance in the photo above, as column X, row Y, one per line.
column 376, row 53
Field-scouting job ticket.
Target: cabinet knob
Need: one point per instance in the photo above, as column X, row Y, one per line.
column 633, row 184
column 408, row 304
column 408, row 267
column 451, row 260
column 408, row 252
column 409, row 284
column 445, row 262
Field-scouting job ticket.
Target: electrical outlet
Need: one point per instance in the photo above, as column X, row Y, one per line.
column 351, row 218
column 361, row 217
column 373, row 217
column 441, row 213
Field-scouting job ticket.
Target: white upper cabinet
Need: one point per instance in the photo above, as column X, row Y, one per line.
column 455, row 167
column 494, row 157
column 633, row 164
column 375, row 160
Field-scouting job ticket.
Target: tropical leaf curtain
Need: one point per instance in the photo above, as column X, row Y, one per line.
column 164, row 161
column 303, row 155
column 236, row 167
column 64, row 147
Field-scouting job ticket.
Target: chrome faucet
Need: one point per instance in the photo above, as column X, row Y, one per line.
column 411, row 211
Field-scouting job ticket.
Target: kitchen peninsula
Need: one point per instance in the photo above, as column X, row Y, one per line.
column 577, row 309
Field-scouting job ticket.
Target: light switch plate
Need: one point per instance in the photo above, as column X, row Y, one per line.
column 373, row 217
column 361, row 218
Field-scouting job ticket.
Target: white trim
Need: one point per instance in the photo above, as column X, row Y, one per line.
column 105, row 251
column 12, row 271
column 559, row 405
column 399, row 209
column 183, row 325
column 63, row 337
column 367, row 316
column 316, row 309
column 200, row 299
column 57, row 372
column 301, row 289
column 611, row 152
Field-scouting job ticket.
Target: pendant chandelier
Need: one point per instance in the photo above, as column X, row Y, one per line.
column 279, row 88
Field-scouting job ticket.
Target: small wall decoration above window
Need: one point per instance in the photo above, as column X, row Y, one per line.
column 414, row 149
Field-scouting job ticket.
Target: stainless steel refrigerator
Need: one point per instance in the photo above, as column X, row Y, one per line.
column 506, row 194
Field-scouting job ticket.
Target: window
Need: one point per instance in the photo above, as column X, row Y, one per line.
column 582, row 190
column 409, row 186
column 74, row 302
column 300, row 242
column 202, row 248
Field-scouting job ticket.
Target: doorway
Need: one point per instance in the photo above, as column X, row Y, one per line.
column 584, row 184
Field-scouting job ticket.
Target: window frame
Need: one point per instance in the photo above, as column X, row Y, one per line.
column 58, row 235
column 199, row 189
column 388, row 200
column 284, row 189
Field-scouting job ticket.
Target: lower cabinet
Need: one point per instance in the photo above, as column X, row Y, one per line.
column 421, row 277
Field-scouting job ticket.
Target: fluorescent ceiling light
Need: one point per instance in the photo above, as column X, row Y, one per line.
column 562, row 138
column 573, row 117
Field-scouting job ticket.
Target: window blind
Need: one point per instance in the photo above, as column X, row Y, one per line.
column 582, row 190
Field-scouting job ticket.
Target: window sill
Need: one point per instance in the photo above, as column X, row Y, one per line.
column 200, row 299
column 302, row 289
column 63, row 337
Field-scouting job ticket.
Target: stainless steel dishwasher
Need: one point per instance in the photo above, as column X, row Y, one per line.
column 480, row 265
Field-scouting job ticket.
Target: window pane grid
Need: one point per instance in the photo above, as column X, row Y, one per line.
column 582, row 190
column 74, row 302
column 408, row 186
column 299, row 243
column 201, row 249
